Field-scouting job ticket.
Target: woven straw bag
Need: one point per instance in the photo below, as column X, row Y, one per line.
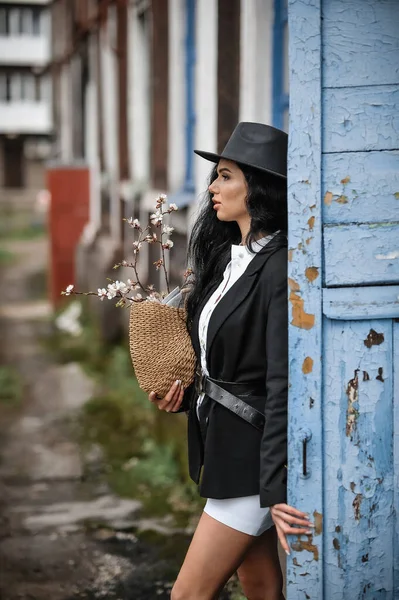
column 160, row 346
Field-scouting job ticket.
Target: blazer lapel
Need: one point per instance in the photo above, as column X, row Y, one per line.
column 240, row 290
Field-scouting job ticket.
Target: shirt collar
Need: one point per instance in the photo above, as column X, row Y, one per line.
column 238, row 249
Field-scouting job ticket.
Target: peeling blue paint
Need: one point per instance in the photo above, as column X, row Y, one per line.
column 344, row 222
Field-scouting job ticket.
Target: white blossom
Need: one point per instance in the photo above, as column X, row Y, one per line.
column 173, row 207
column 153, row 298
column 138, row 297
column 121, row 287
column 162, row 199
column 69, row 290
column 102, row 293
column 136, row 247
column 135, row 223
column 168, row 244
column 156, row 218
column 151, row 238
column 112, row 291
column 168, row 230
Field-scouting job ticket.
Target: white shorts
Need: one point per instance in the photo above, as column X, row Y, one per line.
column 243, row 514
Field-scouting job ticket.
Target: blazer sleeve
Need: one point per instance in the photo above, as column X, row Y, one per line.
column 273, row 458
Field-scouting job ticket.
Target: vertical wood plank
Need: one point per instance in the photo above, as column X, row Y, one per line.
column 358, row 424
column 395, row 361
column 304, row 567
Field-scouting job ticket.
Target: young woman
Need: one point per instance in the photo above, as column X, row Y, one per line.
column 238, row 321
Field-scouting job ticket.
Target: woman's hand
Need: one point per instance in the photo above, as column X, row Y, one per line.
column 173, row 399
column 284, row 516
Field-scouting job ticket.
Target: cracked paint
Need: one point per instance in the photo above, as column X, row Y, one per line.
column 307, row 365
column 300, row 318
column 312, row 273
column 311, row 223
column 293, row 285
column 373, row 338
column 328, row 196
column 352, row 412
column 356, row 505
column 302, row 544
column 290, row 255
column 345, row 180
column 380, row 374
column 342, row 199
column 318, row 522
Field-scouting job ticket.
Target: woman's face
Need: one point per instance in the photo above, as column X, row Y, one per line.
column 229, row 193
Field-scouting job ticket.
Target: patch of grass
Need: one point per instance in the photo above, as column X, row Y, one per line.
column 144, row 450
column 11, row 387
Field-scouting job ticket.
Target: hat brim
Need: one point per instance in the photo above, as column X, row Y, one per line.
column 212, row 157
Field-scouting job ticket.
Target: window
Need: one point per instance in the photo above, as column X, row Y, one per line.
column 20, row 21
column 280, row 65
column 20, row 86
column 4, row 22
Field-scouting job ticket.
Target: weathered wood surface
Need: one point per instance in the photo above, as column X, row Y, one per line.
column 365, row 118
column 368, row 302
column 361, row 254
column 395, row 416
column 360, row 187
column 305, row 566
column 359, row 490
column 360, row 43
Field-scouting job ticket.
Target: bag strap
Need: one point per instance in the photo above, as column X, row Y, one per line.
column 233, row 403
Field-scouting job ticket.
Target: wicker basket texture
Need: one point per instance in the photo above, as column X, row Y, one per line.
column 160, row 346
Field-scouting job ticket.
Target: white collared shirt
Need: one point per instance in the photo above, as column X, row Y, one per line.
column 241, row 257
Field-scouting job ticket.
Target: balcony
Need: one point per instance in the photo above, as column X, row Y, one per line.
column 25, row 118
column 24, row 50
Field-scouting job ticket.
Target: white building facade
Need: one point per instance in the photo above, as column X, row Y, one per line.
column 25, row 97
column 144, row 82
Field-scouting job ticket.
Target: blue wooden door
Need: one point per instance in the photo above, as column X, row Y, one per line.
column 344, row 297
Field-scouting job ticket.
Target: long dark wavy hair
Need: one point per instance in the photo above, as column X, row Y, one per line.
column 210, row 242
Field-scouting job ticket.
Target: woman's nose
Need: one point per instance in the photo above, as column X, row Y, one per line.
column 212, row 188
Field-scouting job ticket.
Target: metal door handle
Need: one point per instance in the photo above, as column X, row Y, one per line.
column 305, row 435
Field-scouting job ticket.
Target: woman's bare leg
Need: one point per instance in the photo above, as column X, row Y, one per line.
column 215, row 553
column 260, row 572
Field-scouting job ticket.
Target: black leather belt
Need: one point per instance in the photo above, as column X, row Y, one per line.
column 213, row 389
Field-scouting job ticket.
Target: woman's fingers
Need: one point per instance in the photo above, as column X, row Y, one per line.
column 290, row 509
column 288, row 530
column 282, row 539
column 177, row 402
column 284, row 517
column 293, row 520
column 170, row 398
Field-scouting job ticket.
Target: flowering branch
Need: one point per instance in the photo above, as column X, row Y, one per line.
column 119, row 289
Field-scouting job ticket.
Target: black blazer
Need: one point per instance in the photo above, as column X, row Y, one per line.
column 247, row 342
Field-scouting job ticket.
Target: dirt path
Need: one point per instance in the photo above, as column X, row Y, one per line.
column 60, row 537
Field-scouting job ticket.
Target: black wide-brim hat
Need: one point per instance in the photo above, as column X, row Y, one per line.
column 255, row 145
